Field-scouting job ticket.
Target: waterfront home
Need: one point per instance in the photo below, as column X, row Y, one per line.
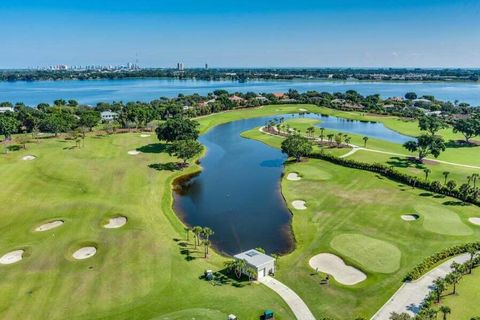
column 108, row 115
column 6, row 109
column 262, row 263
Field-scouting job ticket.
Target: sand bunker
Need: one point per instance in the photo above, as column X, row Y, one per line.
column 116, row 222
column 475, row 220
column 12, row 257
column 299, row 204
column 333, row 265
column 29, row 158
column 302, row 110
column 49, row 225
column 133, row 152
column 84, row 253
column 293, row 176
column 144, row 135
column 409, row 217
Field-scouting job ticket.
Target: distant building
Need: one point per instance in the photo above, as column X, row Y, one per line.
column 236, row 99
column 206, row 66
column 280, row 95
column 260, row 262
column 180, row 66
column 108, row 115
column 6, row 109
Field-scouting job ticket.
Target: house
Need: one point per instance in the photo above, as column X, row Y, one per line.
column 6, row 109
column 280, row 95
column 206, row 103
column 262, row 263
column 262, row 99
column 236, row 99
column 108, row 115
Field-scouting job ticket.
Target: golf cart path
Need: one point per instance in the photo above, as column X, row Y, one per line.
column 357, row 148
column 411, row 294
column 295, row 303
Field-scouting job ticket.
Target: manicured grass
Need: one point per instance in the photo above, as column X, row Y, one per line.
column 368, row 206
column 464, row 304
column 370, row 253
column 440, row 219
column 140, row 271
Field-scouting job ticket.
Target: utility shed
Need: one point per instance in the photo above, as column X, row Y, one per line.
column 264, row 264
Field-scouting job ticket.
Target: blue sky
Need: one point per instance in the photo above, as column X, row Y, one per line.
column 234, row 33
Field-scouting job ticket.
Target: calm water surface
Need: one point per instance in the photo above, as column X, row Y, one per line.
column 93, row 91
column 238, row 192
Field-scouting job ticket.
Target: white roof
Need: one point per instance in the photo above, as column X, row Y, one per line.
column 5, row 109
column 254, row 257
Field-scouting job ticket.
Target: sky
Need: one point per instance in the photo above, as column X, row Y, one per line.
column 241, row 33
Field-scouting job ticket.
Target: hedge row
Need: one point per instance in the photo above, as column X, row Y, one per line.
column 429, row 262
column 396, row 175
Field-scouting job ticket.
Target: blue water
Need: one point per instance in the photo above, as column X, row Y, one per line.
column 364, row 128
column 238, row 192
column 93, row 91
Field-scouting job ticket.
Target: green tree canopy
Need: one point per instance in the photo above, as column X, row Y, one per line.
column 426, row 145
column 185, row 149
column 431, row 124
column 469, row 128
column 177, row 128
column 8, row 124
column 89, row 119
column 297, row 146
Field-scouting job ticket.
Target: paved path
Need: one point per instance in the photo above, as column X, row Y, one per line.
column 295, row 303
column 411, row 294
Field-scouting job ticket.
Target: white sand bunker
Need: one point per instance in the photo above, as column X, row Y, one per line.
column 303, row 110
column 116, row 222
column 12, row 257
column 134, row 152
column 49, row 225
column 144, row 135
column 29, row 158
column 475, row 220
column 293, row 176
column 333, row 265
column 409, row 217
column 84, row 253
column 299, row 204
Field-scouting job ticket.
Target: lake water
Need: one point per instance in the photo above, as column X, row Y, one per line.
column 93, row 91
column 238, row 192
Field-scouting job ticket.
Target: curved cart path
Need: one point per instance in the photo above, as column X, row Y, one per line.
column 295, row 303
column 411, row 294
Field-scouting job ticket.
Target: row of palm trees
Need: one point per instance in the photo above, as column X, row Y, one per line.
column 451, row 280
column 201, row 237
column 239, row 267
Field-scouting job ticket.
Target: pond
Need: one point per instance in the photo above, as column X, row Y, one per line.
column 238, row 194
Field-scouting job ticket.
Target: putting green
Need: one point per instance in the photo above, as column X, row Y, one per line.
column 371, row 254
column 442, row 220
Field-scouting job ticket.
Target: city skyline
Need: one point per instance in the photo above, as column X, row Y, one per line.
column 350, row 33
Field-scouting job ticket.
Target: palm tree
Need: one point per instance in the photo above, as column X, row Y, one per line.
column 330, row 138
column 475, row 177
column 427, row 172
column 322, row 130
column 439, row 287
column 445, row 310
column 197, row 230
column 432, row 314
column 452, row 279
column 206, row 243
column 310, row 131
column 236, row 266
column 207, row 232
column 365, row 139
column 472, row 251
column 445, row 174
column 187, row 231
column 347, row 140
column 469, row 179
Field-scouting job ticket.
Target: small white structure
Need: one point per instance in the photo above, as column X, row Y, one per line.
column 6, row 109
column 108, row 115
column 264, row 264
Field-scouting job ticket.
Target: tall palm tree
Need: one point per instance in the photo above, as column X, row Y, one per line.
column 445, row 310
column 310, row 131
column 322, row 130
column 207, row 232
column 475, row 177
column 347, row 140
column 439, row 287
column 427, row 173
column 330, row 138
column 365, row 139
column 472, row 251
column 187, row 231
column 446, row 174
column 197, row 230
column 206, row 244
column 452, row 279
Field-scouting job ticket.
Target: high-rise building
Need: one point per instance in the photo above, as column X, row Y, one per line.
column 206, row 66
column 180, row 66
